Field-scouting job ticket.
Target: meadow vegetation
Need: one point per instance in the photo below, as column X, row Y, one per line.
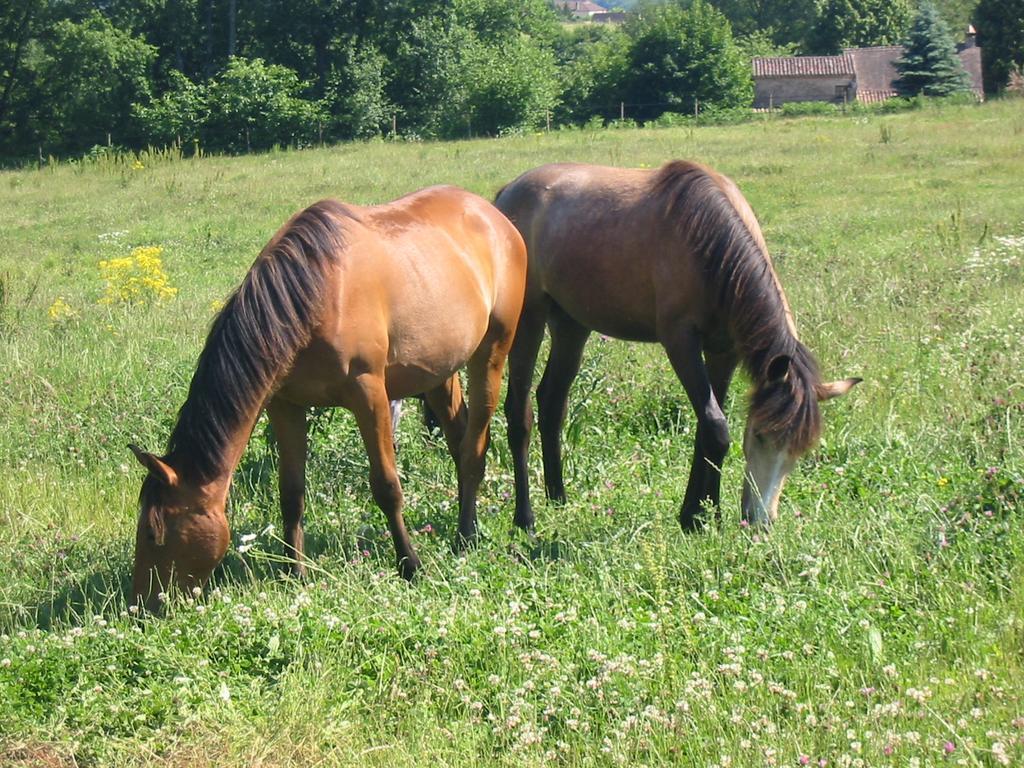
column 879, row 623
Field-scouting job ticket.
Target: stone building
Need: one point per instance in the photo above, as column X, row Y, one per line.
column 865, row 74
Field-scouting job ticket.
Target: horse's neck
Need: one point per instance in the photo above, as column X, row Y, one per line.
column 188, row 450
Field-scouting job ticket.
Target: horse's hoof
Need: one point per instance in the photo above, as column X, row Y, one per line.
column 465, row 541
column 556, row 496
column 408, row 566
column 691, row 521
column 524, row 521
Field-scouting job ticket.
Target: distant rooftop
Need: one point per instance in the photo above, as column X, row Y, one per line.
column 804, row 66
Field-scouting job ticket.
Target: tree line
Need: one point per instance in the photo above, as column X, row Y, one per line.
column 235, row 76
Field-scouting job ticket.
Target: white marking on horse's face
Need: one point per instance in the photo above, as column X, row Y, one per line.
column 767, row 467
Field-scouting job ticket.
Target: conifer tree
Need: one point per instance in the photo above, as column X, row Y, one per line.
column 929, row 64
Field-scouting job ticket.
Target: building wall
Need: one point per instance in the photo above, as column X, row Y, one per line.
column 774, row 91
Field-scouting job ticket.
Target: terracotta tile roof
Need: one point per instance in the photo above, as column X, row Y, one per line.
column 804, row 66
column 874, row 97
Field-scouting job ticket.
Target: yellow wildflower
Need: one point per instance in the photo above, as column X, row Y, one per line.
column 137, row 278
column 60, row 311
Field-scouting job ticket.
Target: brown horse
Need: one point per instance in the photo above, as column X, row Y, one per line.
column 345, row 306
column 673, row 256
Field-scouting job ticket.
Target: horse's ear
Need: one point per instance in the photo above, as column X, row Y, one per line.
column 158, row 468
column 828, row 390
column 778, row 369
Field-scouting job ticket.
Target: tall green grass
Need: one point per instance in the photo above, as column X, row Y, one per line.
column 879, row 623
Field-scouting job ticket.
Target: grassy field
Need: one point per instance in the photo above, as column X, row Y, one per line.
column 881, row 622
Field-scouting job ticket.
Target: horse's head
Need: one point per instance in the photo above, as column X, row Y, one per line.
column 784, row 422
column 182, row 532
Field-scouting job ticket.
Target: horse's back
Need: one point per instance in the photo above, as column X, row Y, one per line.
column 595, row 240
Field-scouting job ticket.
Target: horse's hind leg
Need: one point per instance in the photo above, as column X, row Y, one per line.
column 373, row 415
column 485, row 369
column 448, row 407
column 518, row 410
column 289, row 424
column 567, row 341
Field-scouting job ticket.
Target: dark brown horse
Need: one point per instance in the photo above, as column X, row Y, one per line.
column 345, row 306
column 673, row 256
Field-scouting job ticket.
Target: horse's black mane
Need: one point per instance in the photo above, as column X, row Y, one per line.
column 254, row 339
column 739, row 272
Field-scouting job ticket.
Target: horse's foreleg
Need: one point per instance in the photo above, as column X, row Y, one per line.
column 289, row 424
column 683, row 345
column 518, row 410
column 720, row 368
column 567, row 341
column 485, row 369
column 373, row 415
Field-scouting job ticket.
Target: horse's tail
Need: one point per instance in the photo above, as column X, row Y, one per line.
column 264, row 324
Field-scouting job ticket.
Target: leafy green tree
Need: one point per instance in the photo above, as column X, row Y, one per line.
column 859, row 23
column 179, row 115
column 87, row 77
column 506, row 86
column 761, row 43
column 681, row 56
column 357, row 95
column 956, row 14
column 19, row 23
column 425, row 75
column 255, row 105
column 500, row 20
column 1000, row 25
column 592, row 64
column 783, row 22
column 929, row 64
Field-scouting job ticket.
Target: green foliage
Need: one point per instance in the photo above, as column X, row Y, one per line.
column 87, row 77
column 859, row 23
column 929, row 64
column 357, row 96
column 593, row 61
column 782, row 22
column 762, row 43
column 682, row 55
column 802, row 108
column 425, row 76
column 505, row 87
column 956, row 14
column 178, row 116
column 1000, row 25
column 498, row 21
column 254, row 105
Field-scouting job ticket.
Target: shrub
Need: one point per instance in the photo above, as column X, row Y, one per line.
column 254, row 105
column 801, row 108
column 178, row 116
